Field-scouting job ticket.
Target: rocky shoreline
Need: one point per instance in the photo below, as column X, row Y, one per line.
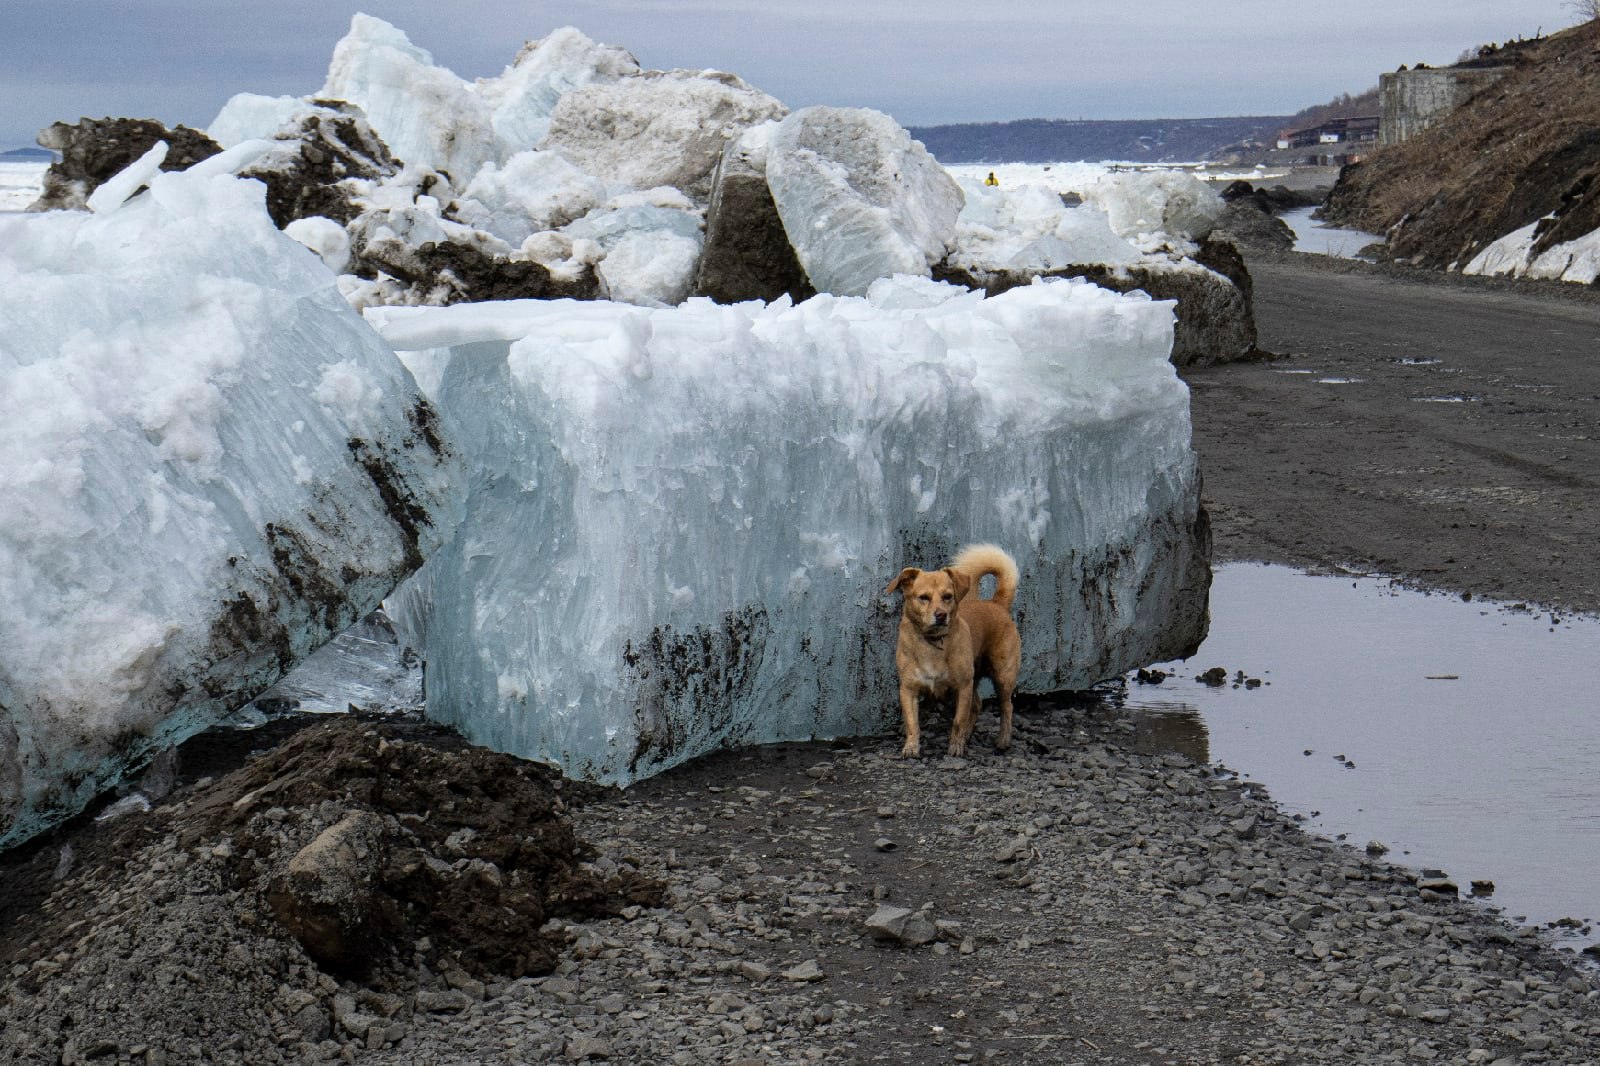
column 1074, row 900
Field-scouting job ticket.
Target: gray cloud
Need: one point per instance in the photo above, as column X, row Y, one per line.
column 936, row 61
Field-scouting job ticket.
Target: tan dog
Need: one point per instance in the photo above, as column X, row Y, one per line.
column 949, row 642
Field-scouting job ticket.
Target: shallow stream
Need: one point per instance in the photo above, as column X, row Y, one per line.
column 1463, row 736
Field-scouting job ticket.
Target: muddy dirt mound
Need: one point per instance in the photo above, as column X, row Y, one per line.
column 1520, row 148
column 94, row 149
column 322, row 167
column 331, row 888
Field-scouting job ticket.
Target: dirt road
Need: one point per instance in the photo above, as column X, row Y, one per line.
column 1441, row 429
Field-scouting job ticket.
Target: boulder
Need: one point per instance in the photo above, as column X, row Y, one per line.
column 326, row 897
column 1216, row 320
column 747, row 255
column 1248, row 222
column 899, row 925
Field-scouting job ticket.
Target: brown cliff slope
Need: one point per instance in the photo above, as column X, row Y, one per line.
column 1516, row 151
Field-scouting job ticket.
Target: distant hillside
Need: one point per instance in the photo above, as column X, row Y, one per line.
column 1342, row 106
column 1175, row 140
column 1512, row 153
column 28, row 155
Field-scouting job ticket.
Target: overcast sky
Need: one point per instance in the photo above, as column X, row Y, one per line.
column 924, row 62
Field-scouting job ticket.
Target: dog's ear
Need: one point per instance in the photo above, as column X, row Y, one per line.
column 906, row 577
column 962, row 583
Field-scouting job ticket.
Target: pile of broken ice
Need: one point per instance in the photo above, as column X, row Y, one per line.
column 655, row 527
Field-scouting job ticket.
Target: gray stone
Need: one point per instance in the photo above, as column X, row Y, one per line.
column 805, row 972
column 901, row 925
column 449, row 1002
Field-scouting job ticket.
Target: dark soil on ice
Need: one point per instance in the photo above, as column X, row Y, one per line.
column 386, row 893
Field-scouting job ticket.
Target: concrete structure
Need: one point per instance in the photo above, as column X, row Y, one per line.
column 1412, row 100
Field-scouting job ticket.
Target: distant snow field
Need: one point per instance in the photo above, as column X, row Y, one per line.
column 20, row 184
column 1070, row 177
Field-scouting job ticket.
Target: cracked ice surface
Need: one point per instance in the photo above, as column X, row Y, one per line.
column 209, row 466
column 682, row 520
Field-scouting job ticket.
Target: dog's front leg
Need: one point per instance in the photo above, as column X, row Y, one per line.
column 908, row 711
column 966, row 717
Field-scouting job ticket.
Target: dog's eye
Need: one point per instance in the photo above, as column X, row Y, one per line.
column 925, row 598
column 947, row 597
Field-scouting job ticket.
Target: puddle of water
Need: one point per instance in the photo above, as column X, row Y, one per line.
column 1294, row 371
column 1464, row 736
column 1417, row 360
column 1340, row 381
column 1444, row 399
column 1312, row 236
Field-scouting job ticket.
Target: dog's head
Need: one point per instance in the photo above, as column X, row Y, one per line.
column 931, row 597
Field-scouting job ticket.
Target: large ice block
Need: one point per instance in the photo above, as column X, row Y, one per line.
column 658, row 127
column 1027, row 227
column 681, row 521
column 859, row 198
column 1155, row 204
column 209, row 466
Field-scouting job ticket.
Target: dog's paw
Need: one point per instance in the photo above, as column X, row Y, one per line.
column 958, row 748
column 912, row 750
column 1003, row 741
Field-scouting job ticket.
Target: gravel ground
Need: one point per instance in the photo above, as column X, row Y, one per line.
column 1438, row 428
column 1076, row 900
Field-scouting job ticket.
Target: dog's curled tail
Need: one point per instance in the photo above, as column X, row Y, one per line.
column 976, row 560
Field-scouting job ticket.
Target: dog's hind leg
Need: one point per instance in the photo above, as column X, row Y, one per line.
column 1002, row 740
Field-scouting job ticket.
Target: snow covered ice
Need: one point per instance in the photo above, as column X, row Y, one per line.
column 681, row 521
column 1513, row 255
column 210, row 465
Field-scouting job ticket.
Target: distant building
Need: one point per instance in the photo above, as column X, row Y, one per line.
column 1334, row 131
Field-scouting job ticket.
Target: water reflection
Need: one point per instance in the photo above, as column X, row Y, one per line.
column 1159, row 728
column 1463, row 736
